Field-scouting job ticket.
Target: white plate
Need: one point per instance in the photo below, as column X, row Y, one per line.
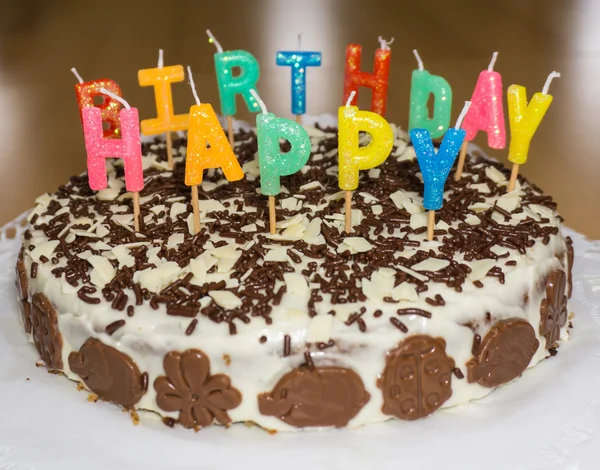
column 548, row 420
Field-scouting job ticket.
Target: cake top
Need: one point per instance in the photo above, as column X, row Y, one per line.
column 234, row 275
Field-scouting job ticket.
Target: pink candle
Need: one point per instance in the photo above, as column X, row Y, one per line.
column 128, row 147
column 487, row 112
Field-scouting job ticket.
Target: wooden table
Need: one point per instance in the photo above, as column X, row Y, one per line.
column 41, row 139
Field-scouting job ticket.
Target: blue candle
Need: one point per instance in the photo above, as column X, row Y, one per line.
column 298, row 61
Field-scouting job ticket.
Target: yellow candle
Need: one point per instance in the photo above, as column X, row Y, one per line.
column 205, row 129
column 161, row 78
column 524, row 118
column 353, row 158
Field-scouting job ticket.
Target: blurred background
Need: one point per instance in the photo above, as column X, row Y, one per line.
column 41, row 142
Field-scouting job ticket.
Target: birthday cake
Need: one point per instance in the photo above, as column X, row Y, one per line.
column 311, row 326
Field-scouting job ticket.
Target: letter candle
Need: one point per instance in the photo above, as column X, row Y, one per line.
column 377, row 81
column 272, row 162
column 161, row 78
column 423, row 85
column 205, row 130
column 298, row 60
column 230, row 85
column 486, row 113
column 435, row 167
column 524, row 119
column 128, row 147
column 351, row 157
column 109, row 108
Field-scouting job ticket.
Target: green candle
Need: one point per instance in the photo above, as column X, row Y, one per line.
column 424, row 84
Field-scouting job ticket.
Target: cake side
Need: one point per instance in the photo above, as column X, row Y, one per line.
column 310, row 327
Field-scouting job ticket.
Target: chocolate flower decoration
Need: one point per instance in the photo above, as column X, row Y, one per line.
column 554, row 308
column 189, row 388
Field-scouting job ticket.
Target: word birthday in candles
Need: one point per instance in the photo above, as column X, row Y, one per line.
column 208, row 147
column 352, row 157
column 298, row 60
column 524, row 119
column 376, row 81
column 272, row 162
column 109, row 107
column 231, row 85
column 435, row 167
column 128, row 147
column 423, row 85
column 161, row 79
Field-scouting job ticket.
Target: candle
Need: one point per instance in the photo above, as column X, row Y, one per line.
column 423, row 85
column 435, row 167
column 298, row 61
column 486, row 113
column 231, row 85
column 272, row 162
column 161, row 79
column 205, row 130
column 128, row 147
column 109, row 108
column 377, row 81
column 351, row 157
column 524, row 120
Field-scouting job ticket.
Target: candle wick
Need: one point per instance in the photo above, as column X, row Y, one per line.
column 350, row 98
column 213, row 40
column 419, row 61
column 552, row 76
column 385, row 44
column 300, row 41
column 76, row 73
column 462, row 115
column 193, row 85
column 115, row 97
column 160, row 59
column 260, row 102
column 492, row 62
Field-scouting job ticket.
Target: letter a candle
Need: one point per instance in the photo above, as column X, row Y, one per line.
column 109, row 108
column 436, row 167
column 272, row 162
column 352, row 157
column 486, row 113
column 377, row 81
column 128, row 147
column 229, row 85
column 161, row 78
column 205, row 131
column 524, row 120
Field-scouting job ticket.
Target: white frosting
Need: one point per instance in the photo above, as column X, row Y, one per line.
column 255, row 367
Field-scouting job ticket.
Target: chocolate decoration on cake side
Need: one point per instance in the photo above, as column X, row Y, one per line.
column 189, row 388
column 417, row 379
column 553, row 309
column 504, row 353
column 46, row 337
column 570, row 259
column 22, row 285
column 315, row 396
column 109, row 373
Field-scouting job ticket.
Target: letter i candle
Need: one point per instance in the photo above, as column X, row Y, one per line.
column 352, row 157
column 272, row 162
column 161, row 78
column 205, row 130
column 524, row 119
column 128, row 147
column 435, row 167
column 486, row 113
column 298, row 60
column 229, row 85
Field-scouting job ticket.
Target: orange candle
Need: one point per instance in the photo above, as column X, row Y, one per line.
column 161, row 79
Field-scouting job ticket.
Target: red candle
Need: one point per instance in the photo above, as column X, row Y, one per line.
column 109, row 107
column 377, row 80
